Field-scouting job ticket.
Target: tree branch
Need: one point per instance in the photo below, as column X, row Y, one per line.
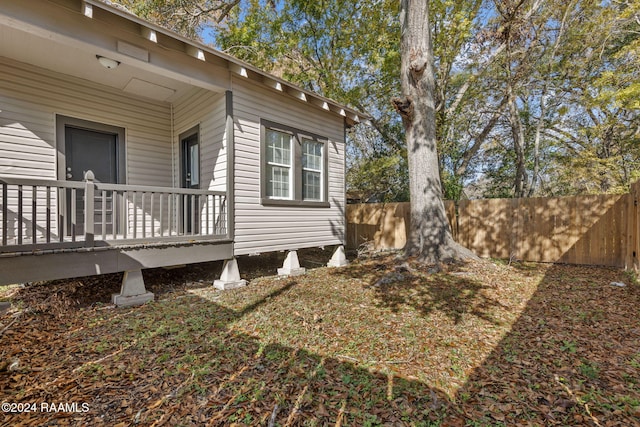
column 479, row 139
column 467, row 84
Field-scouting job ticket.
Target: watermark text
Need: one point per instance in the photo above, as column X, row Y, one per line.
column 47, row 407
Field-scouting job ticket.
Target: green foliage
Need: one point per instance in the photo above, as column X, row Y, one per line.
column 568, row 346
column 574, row 68
column 452, row 186
column 589, row 370
column 383, row 178
column 619, row 84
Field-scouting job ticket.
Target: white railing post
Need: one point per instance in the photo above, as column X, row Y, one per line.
column 89, row 193
column 174, row 207
column 5, row 210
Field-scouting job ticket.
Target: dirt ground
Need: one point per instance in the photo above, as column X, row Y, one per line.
column 379, row 343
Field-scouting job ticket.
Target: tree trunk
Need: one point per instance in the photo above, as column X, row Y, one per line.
column 536, row 143
column 430, row 238
column 517, row 131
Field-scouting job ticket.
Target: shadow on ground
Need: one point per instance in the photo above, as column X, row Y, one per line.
column 570, row 357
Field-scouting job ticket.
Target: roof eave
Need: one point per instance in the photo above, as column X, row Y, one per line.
column 237, row 66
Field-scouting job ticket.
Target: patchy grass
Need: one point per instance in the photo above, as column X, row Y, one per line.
column 370, row 344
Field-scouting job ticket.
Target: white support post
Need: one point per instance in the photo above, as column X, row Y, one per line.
column 339, row 259
column 230, row 277
column 291, row 266
column 89, row 194
column 133, row 291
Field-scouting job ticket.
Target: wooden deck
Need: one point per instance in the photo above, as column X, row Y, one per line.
column 55, row 229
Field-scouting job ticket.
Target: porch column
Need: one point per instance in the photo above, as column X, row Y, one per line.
column 89, row 194
column 133, row 291
column 339, row 259
column 291, row 266
column 230, row 277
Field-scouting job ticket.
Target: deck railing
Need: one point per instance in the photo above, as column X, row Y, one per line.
column 50, row 214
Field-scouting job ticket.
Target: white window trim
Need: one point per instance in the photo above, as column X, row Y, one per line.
column 282, row 165
column 321, row 170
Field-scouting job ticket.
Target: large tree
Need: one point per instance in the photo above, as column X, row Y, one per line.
column 532, row 97
column 430, row 238
column 186, row 17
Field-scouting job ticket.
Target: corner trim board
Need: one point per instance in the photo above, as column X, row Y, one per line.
column 231, row 200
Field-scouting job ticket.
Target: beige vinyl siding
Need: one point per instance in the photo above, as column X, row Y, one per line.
column 207, row 110
column 26, row 139
column 31, row 97
column 269, row 228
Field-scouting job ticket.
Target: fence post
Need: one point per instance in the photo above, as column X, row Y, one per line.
column 633, row 237
column 89, row 193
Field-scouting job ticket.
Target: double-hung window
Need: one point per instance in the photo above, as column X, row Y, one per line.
column 278, row 164
column 312, row 170
column 294, row 167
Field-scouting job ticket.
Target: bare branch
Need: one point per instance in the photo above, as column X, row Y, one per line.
column 467, row 84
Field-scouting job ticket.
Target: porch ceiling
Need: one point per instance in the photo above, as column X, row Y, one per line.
column 81, row 62
column 66, row 35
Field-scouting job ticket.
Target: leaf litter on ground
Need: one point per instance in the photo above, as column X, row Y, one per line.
column 380, row 342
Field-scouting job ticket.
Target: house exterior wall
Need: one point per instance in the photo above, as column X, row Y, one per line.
column 31, row 97
column 261, row 228
column 30, row 100
column 207, row 110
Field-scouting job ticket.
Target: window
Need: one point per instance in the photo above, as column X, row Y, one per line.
column 294, row 165
column 278, row 164
column 312, row 170
column 190, row 158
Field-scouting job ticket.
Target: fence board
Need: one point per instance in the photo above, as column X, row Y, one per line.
column 592, row 230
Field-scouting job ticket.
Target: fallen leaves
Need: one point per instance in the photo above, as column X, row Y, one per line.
column 480, row 344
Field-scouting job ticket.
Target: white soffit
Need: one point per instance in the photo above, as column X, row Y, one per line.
column 133, row 51
column 148, row 89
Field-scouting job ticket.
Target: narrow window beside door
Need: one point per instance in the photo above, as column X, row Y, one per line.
column 190, row 158
column 190, row 178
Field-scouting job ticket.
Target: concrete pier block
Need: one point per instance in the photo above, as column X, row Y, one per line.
column 133, row 291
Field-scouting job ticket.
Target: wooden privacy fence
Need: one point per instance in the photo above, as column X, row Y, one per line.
column 590, row 230
column 385, row 225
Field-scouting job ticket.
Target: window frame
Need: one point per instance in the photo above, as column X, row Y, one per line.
column 320, row 171
column 182, row 161
column 296, row 178
column 274, row 164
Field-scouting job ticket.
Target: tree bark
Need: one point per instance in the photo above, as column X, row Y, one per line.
column 430, row 238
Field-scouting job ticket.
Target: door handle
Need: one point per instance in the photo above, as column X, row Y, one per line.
column 69, row 176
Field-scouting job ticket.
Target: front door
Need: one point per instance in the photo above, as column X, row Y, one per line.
column 96, row 151
column 190, row 178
